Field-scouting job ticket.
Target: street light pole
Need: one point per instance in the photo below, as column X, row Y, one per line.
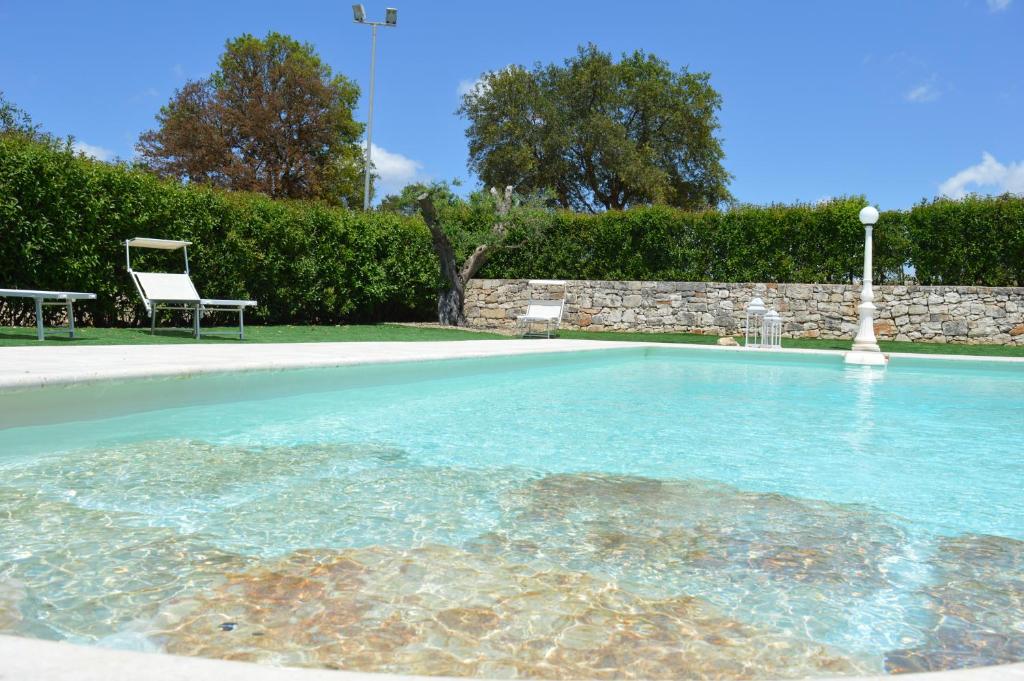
column 391, row 20
column 369, row 120
column 865, row 347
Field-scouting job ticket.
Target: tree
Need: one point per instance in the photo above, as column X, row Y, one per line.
column 450, row 301
column 15, row 121
column 599, row 134
column 272, row 119
column 406, row 202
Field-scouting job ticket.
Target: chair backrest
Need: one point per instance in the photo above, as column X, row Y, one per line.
column 165, row 286
column 545, row 309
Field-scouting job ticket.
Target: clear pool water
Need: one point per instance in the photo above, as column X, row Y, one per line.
column 655, row 513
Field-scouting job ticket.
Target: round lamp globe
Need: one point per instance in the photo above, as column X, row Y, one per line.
column 868, row 215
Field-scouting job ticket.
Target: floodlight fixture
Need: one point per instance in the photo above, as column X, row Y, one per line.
column 391, row 16
column 358, row 14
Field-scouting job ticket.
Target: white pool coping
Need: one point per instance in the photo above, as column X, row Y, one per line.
column 24, row 659
column 32, row 367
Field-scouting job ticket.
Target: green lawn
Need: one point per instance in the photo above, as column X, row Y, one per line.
column 393, row 332
column 809, row 343
column 253, row 334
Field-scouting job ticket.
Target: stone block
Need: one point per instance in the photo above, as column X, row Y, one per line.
column 955, row 328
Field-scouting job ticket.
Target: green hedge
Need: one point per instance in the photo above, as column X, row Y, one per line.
column 63, row 220
column 822, row 244
column 972, row 241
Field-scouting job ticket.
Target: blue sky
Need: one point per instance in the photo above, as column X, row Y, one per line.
column 896, row 99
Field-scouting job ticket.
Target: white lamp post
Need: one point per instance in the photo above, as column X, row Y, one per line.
column 865, row 347
column 390, row 21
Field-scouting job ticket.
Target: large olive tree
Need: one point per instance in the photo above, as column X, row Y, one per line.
column 599, row 134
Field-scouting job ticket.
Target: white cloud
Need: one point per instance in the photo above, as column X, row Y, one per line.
column 395, row 170
column 998, row 5
column 925, row 92
column 92, row 151
column 990, row 174
column 466, row 86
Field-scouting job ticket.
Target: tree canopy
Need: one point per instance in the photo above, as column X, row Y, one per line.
column 273, row 119
column 406, row 202
column 16, row 121
column 599, row 134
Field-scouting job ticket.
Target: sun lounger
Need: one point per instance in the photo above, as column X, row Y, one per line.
column 546, row 312
column 44, row 298
column 172, row 291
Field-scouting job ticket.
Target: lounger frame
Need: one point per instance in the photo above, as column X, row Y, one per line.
column 65, row 299
column 190, row 301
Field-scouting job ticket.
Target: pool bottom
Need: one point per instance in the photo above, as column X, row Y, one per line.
column 574, row 575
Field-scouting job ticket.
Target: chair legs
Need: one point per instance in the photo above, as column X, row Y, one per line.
column 40, row 333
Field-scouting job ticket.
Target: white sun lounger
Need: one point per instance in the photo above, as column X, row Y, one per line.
column 168, row 291
column 546, row 312
column 64, row 298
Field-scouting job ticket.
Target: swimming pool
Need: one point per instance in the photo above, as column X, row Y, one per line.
column 619, row 513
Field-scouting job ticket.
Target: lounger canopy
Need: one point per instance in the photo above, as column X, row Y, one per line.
column 175, row 291
column 49, row 298
column 163, row 244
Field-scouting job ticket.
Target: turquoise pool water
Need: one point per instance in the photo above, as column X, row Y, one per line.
column 613, row 514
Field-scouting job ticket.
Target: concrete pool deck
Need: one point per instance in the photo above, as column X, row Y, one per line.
column 32, row 367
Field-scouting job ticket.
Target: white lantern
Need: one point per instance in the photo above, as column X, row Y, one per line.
column 753, row 337
column 771, row 330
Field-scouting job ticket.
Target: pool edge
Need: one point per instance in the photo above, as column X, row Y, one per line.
column 27, row 659
column 36, row 367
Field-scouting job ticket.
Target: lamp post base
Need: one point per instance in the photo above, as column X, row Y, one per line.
column 865, row 346
column 872, row 358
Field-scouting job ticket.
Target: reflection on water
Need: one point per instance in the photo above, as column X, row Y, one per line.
column 355, row 556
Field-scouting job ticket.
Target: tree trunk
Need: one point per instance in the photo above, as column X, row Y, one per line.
column 449, row 305
column 450, row 301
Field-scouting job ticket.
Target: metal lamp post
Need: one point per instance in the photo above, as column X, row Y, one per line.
column 390, row 21
column 865, row 347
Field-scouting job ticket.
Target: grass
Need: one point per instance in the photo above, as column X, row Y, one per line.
column 394, row 332
column 808, row 343
column 253, row 334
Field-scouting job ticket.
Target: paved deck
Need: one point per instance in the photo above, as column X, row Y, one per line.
column 27, row 366
column 30, row 366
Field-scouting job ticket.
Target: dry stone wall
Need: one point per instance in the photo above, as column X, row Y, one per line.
column 934, row 314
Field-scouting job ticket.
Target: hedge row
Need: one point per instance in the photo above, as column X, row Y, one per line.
column 974, row 241
column 63, row 220
column 822, row 244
